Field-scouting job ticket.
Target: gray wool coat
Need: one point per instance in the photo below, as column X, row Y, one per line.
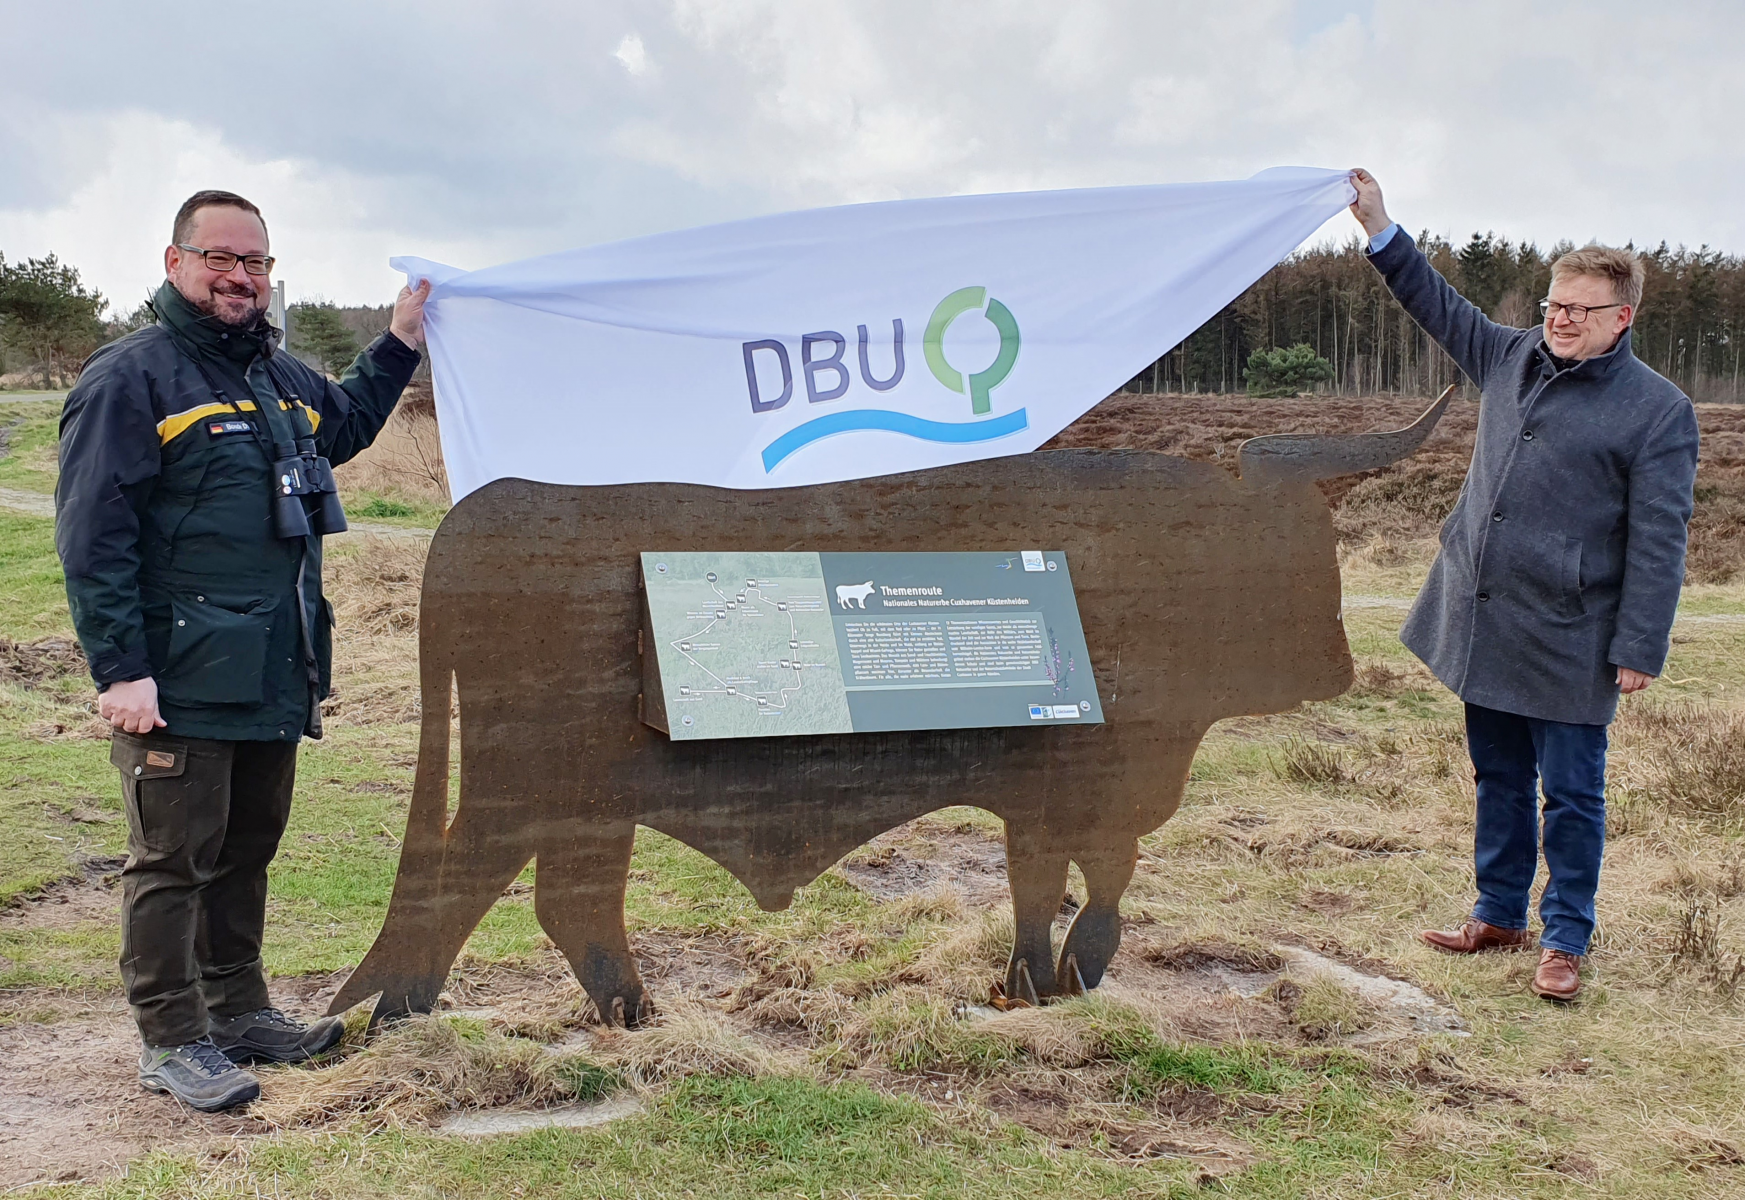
column 1564, row 555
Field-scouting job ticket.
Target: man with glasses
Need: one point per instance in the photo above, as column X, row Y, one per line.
column 1558, row 575
column 193, row 493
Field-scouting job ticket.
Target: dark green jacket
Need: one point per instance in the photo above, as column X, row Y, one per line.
column 163, row 523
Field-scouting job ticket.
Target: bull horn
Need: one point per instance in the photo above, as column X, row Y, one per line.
column 1305, row 456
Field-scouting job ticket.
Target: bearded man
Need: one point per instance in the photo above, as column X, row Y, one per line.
column 193, row 493
column 1558, row 576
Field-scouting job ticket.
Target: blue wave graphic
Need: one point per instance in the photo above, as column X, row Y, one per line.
column 890, row 422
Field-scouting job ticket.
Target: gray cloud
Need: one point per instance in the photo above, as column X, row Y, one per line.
column 483, row 132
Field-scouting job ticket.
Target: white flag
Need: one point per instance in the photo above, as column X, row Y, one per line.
column 839, row 343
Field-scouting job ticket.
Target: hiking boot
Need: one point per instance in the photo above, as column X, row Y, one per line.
column 268, row 1035
column 198, row 1075
column 1558, row 976
column 1475, row 936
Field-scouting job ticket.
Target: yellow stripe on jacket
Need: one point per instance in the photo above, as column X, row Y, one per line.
column 172, row 427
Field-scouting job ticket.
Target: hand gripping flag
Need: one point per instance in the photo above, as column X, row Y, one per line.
column 839, row 343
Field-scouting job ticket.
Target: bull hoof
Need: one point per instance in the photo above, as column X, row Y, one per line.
column 1072, row 983
column 1016, row 991
column 624, row 1016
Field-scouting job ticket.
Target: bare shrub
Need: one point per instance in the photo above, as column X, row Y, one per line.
column 1306, row 761
column 406, row 457
column 1696, row 947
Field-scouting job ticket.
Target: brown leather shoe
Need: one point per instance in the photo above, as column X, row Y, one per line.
column 1475, row 936
column 1558, row 976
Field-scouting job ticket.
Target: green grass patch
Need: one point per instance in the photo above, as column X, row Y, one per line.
column 722, row 1139
column 388, row 508
column 32, row 432
column 33, row 592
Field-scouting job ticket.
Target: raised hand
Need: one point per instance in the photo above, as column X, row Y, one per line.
column 408, row 322
column 1368, row 208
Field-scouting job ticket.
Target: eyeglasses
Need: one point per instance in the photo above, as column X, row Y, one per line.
column 1575, row 312
column 223, row 261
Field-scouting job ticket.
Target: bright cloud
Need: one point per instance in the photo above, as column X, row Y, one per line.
column 478, row 133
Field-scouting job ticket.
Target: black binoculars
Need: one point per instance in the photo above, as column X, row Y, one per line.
column 305, row 499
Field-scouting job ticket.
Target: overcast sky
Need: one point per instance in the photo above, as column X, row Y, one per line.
column 475, row 133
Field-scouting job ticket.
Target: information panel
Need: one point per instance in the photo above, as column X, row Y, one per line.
column 761, row 645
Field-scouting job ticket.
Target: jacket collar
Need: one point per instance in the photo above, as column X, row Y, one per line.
column 1597, row 366
column 207, row 336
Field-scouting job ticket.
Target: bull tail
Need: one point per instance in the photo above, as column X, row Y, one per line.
column 396, row 964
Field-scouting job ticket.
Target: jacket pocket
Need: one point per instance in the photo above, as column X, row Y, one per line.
column 155, row 806
column 217, row 654
column 1572, row 594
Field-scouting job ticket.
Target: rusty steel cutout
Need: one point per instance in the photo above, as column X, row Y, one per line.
column 1202, row 596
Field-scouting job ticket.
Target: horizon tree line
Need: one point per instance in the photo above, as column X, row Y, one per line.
column 1690, row 326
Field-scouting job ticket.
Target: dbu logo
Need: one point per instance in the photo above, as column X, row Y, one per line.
column 982, row 382
column 826, row 375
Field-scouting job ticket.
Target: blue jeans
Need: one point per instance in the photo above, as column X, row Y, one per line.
column 1511, row 757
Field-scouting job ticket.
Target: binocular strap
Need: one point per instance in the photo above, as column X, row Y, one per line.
column 311, row 725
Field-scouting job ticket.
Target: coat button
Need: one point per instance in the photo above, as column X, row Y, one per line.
column 1526, row 435
column 1496, row 516
column 139, row 770
column 181, row 622
column 1484, row 595
column 201, row 599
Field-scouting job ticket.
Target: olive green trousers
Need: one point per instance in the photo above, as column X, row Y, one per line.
column 204, row 820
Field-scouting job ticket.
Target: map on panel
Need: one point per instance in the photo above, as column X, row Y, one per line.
column 758, row 645
column 746, row 645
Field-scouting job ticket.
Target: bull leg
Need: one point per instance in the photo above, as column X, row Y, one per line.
column 579, row 897
column 1096, row 932
column 476, row 864
column 1036, row 872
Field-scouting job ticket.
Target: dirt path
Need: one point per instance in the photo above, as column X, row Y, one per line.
column 71, row 1107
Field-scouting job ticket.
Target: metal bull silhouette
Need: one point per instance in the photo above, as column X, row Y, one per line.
column 1203, row 596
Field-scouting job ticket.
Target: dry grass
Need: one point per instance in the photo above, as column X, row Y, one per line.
column 687, row 1038
column 1688, row 757
column 40, row 661
column 374, row 585
column 423, row 1068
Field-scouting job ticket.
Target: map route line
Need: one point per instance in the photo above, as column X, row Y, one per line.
column 758, row 699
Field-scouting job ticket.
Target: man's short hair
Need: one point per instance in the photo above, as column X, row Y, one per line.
column 1621, row 268
column 209, row 199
